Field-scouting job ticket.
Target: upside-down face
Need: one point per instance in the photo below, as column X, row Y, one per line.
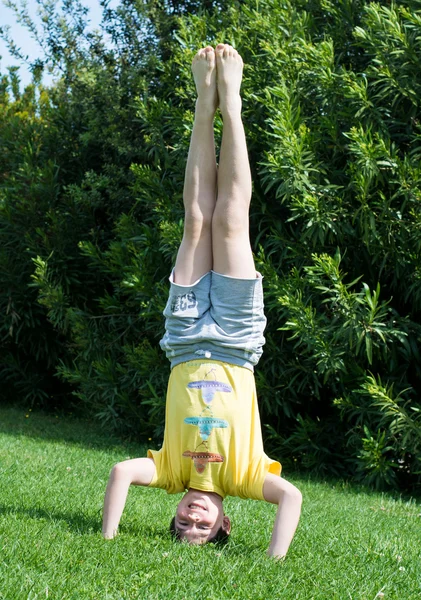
column 199, row 516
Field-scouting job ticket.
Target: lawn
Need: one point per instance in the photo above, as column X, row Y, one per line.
column 351, row 543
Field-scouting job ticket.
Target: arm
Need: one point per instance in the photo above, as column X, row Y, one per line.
column 138, row 471
column 288, row 498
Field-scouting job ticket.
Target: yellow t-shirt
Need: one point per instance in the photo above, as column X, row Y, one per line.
column 213, row 438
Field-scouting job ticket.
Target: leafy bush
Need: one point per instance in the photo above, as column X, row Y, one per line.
column 91, row 215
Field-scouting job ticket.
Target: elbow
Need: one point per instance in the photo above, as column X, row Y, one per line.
column 296, row 496
column 119, row 472
column 291, row 495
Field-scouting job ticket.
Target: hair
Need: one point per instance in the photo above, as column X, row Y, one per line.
column 221, row 536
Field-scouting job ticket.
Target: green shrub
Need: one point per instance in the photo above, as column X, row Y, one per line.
column 92, row 214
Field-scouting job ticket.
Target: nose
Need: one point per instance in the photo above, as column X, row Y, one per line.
column 194, row 517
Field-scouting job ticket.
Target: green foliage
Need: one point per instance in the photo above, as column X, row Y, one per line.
column 373, row 459
column 91, row 218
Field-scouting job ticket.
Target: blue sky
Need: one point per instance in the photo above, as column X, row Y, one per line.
column 23, row 38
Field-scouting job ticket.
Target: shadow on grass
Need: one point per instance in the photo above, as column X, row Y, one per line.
column 79, row 523
column 65, row 429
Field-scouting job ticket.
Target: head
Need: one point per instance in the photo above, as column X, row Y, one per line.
column 200, row 518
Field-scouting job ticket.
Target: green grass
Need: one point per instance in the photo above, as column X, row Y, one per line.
column 350, row 544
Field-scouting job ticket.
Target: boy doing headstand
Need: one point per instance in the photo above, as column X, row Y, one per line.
column 214, row 336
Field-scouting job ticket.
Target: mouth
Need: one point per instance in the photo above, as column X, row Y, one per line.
column 195, row 505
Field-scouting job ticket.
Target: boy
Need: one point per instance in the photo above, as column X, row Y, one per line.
column 214, row 337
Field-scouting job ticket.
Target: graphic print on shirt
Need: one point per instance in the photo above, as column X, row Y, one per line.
column 206, row 425
column 201, row 459
column 209, row 387
column 206, row 421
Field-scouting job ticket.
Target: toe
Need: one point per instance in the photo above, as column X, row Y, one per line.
column 196, row 56
column 210, row 56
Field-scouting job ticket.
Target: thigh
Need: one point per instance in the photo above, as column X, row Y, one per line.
column 194, row 257
column 233, row 257
column 232, row 254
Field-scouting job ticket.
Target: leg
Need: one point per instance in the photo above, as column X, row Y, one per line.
column 194, row 257
column 232, row 253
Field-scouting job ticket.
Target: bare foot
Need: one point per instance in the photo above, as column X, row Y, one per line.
column 204, row 73
column 229, row 66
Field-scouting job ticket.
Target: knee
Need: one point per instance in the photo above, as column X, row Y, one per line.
column 197, row 224
column 230, row 219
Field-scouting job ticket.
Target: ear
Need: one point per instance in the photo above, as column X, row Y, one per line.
column 226, row 524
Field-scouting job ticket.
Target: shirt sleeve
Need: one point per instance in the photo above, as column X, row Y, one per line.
column 253, row 485
column 161, row 479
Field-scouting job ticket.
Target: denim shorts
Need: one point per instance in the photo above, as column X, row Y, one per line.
column 217, row 317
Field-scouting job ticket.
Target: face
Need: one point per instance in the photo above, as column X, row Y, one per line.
column 199, row 516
